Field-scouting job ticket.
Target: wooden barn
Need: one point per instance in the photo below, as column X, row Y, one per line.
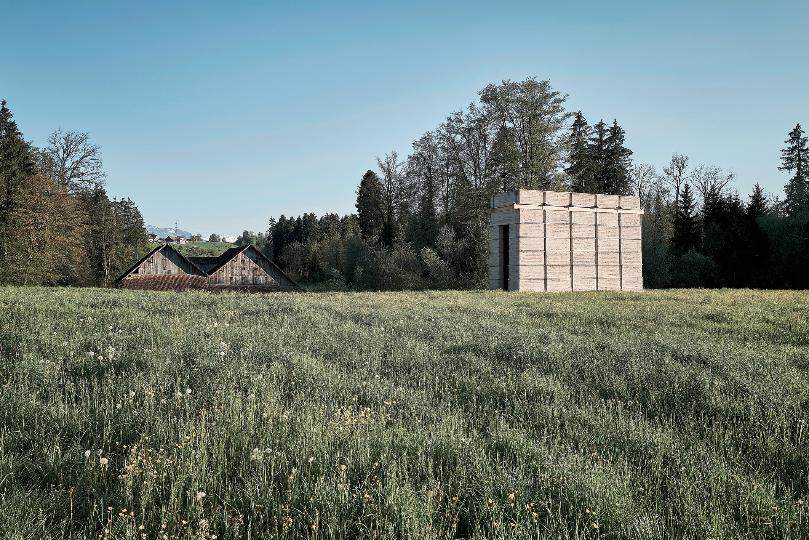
column 561, row 241
column 242, row 268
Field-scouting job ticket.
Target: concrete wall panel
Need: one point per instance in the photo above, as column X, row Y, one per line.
column 563, row 241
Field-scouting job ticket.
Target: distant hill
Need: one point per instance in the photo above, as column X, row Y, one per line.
column 163, row 232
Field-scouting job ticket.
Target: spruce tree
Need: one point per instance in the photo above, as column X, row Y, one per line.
column 16, row 167
column 579, row 157
column 597, row 150
column 686, row 234
column 795, row 157
column 757, row 253
column 101, row 236
column 280, row 235
column 370, row 206
column 16, row 158
column 617, row 162
column 758, row 205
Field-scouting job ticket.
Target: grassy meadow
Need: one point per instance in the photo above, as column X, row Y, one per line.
column 667, row 414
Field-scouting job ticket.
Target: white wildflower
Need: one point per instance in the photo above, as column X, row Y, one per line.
column 200, row 496
column 103, row 462
column 87, row 454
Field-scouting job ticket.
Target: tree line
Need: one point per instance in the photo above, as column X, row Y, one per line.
column 699, row 232
column 57, row 224
column 421, row 221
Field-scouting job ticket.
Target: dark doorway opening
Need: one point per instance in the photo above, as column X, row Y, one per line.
column 504, row 262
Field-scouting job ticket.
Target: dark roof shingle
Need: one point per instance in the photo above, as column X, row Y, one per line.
column 182, row 282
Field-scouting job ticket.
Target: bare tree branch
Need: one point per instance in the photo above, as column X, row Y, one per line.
column 675, row 175
column 71, row 160
column 710, row 181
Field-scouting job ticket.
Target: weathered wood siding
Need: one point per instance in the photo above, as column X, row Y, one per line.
column 249, row 269
column 165, row 262
column 562, row 241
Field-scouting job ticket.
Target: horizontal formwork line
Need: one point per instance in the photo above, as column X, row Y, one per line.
column 517, row 206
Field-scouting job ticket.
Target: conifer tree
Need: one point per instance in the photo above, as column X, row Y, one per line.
column 16, row 167
column 579, row 157
column 597, row 150
column 686, row 234
column 758, row 204
column 618, row 163
column 370, row 206
column 795, row 157
column 758, row 248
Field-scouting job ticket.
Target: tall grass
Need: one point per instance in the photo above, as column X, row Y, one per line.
column 410, row 415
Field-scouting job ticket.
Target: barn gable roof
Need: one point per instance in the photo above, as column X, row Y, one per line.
column 206, row 266
column 155, row 250
column 231, row 253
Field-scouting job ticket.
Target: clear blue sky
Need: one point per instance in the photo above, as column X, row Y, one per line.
column 219, row 115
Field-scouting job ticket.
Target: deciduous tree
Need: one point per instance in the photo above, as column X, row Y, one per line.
column 675, row 174
column 71, row 160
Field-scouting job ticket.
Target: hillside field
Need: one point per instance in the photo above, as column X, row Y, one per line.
column 662, row 414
